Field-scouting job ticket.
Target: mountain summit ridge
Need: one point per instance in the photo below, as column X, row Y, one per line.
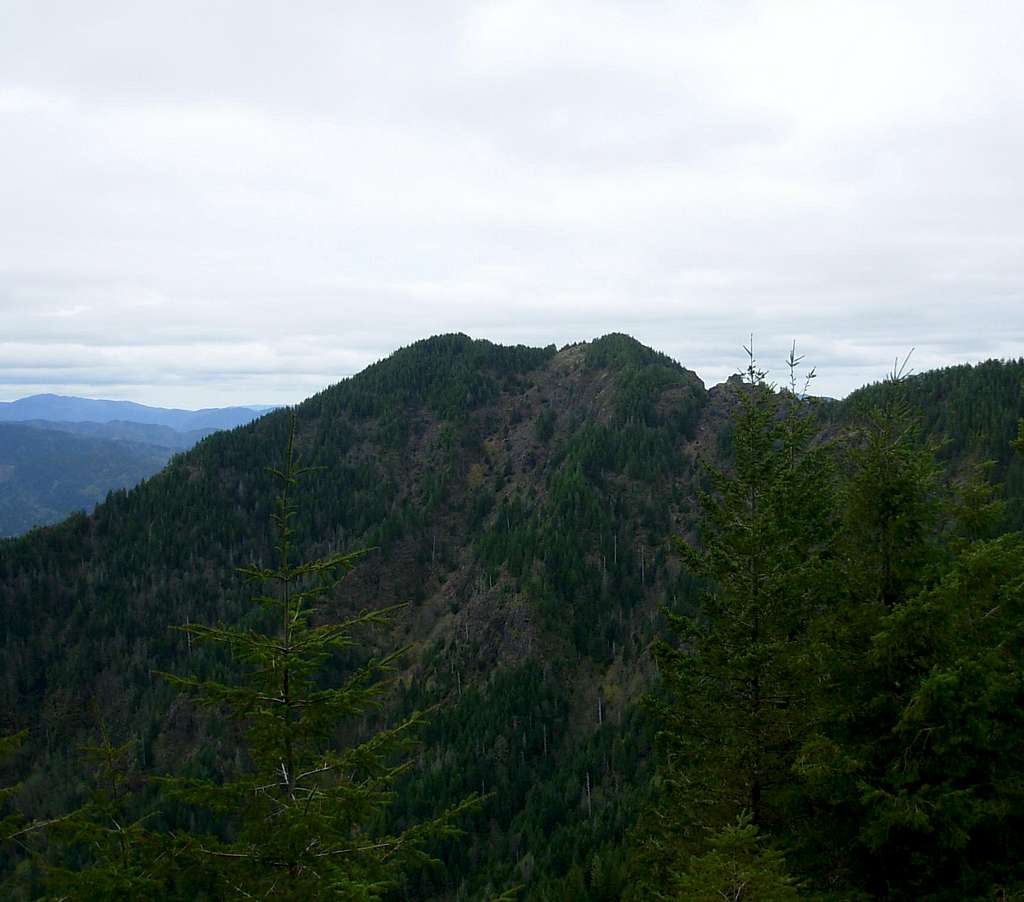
column 520, row 500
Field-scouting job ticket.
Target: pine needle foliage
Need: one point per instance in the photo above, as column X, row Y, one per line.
column 10, row 822
column 737, row 676
column 14, row 826
column 302, row 822
column 892, row 498
column 739, row 867
column 113, row 853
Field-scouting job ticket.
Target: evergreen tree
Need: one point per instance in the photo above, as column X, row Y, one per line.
column 890, row 499
column 945, row 812
column 737, row 679
column 107, row 851
column 911, row 780
column 889, row 547
column 10, row 822
column 739, row 867
column 301, row 821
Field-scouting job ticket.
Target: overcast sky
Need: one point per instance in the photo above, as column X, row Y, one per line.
column 206, row 203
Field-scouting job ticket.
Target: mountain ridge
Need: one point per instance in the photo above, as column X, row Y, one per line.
column 47, row 474
column 69, row 408
column 521, row 501
column 108, row 445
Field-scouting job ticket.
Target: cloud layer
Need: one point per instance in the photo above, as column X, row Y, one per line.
column 211, row 203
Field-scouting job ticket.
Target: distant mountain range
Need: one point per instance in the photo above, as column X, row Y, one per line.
column 59, row 454
column 66, row 409
column 123, row 430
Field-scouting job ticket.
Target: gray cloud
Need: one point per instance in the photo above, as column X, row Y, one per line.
column 210, row 203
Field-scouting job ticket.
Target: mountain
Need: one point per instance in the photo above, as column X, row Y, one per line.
column 62, row 454
column 521, row 501
column 46, row 474
column 61, row 408
column 126, row 431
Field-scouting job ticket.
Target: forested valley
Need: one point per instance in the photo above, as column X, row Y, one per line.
column 489, row 622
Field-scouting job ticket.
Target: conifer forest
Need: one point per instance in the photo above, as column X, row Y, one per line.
column 491, row 622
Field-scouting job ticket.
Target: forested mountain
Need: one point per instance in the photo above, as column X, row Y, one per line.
column 126, row 431
column 521, row 502
column 45, row 474
column 63, row 454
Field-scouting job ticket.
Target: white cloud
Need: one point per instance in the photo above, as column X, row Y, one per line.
column 210, row 203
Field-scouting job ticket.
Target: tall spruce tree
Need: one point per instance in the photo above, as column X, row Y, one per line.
column 737, row 677
column 303, row 820
column 910, row 783
column 739, row 867
column 891, row 499
column 942, row 811
column 887, row 549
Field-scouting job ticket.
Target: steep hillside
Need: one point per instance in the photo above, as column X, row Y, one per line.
column 520, row 500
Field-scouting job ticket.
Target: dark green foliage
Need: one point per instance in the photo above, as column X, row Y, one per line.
column 916, row 769
column 302, row 813
column 642, row 377
column 521, row 501
column 891, row 501
column 968, row 404
column 739, row 866
column 449, row 375
column 620, row 352
column 896, row 769
column 738, row 676
column 109, row 586
column 557, row 802
column 596, row 570
column 948, row 804
column 545, row 425
column 973, row 408
column 11, row 821
column 906, row 528
column 105, row 849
